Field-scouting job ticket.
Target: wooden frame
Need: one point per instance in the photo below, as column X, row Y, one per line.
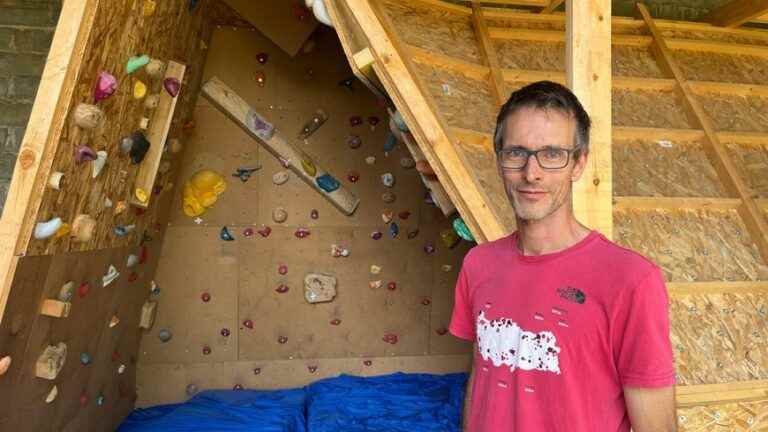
column 737, row 12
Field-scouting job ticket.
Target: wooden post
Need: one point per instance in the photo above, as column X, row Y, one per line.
column 588, row 75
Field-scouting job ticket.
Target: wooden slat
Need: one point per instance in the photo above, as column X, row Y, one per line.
column 716, row 151
column 41, row 140
column 710, row 394
column 537, row 3
column 718, row 47
column 674, row 203
column 157, row 133
column 553, row 4
column 588, row 75
column 488, row 53
column 736, row 12
column 678, row 289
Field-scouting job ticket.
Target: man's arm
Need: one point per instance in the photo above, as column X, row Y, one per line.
column 468, row 394
column 651, row 409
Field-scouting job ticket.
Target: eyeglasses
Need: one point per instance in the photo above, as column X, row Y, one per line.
column 516, row 158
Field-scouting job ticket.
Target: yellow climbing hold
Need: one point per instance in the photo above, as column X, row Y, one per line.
column 63, row 230
column 139, row 90
column 309, row 167
column 149, row 7
column 141, row 195
column 201, row 191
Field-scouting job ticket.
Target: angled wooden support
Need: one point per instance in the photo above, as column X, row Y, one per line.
column 737, row 12
column 716, row 151
column 364, row 60
column 588, row 75
column 488, row 53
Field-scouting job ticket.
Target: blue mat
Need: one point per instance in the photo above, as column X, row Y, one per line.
column 394, row 403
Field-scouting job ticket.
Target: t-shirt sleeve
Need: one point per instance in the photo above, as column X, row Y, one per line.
column 462, row 324
column 641, row 346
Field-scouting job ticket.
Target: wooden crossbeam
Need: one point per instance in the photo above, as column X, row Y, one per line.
column 622, row 203
column 716, row 151
column 488, row 53
column 737, row 12
column 680, row 289
column 711, row 394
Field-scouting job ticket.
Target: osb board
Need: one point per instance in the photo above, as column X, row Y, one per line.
column 119, row 32
column 751, row 163
column 703, row 66
column 659, row 109
column 277, row 373
column 732, row 417
column 277, row 20
column 736, row 113
column 692, row 245
column 434, row 29
column 634, row 61
column 453, row 93
column 663, row 168
column 290, row 98
column 442, row 300
column 719, row 338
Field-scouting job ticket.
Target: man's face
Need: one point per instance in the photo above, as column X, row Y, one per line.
column 536, row 193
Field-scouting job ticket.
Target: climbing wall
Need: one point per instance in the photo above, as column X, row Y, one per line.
column 236, row 310
column 689, row 163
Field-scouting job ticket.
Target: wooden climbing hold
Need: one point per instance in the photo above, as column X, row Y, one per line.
column 5, row 364
column 83, row 227
column 148, row 312
column 51, row 361
column 55, row 308
column 88, row 116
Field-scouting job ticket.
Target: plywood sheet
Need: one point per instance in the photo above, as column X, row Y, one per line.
column 752, row 163
column 648, row 109
column 731, row 417
column 736, row 113
column 704, row 66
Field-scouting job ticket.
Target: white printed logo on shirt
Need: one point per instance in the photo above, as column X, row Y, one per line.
column 503, row 342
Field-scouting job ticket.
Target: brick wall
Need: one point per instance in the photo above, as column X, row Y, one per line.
column 26, row 29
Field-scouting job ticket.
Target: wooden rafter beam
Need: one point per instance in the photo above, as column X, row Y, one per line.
column 716, row 151
column 737, row 12
column 553, row 4
column 488, row 53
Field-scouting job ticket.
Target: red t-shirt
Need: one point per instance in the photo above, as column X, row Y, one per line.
column 560, row 334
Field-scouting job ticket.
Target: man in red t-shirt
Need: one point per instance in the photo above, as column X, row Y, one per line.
column 571, row 331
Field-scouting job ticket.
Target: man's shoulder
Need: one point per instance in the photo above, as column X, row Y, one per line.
column 488, row 250
column 622, row 263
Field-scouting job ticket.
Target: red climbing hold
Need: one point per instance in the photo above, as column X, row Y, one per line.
column 83, row 398
column 83, row 289
column 282, row 288
column 139, row 211
column 262, row 57
column 225, row 332
column 206, row 350
column 265, row 231
column 237, row 387
column 143, row 254
column 300, row 12
column 390, row 338
column 115, row 356
column 248, row 232
column 367, row 362
column 312, row 369
column 282, row 269
column 205, row 297
column 355, row 121
column 404, row 214
column 335, row 322
column 133, row 277
column 441, row 331
column 282, row 339
column 248, row 324
column 301, row 233
column 314, row 214
column 392, row 286
column 373, row 120
column 426, row 302
column 353, row 177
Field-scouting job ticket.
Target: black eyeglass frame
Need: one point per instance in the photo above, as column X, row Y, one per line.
column 528, row 154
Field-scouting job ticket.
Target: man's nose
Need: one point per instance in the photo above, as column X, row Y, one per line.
column 532, row 170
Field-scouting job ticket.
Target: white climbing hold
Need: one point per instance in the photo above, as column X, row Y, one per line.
column 5, row 364
column 370, row 160
column 280, row 177
column 388, row 179
column 99, row 162
column 446, row 267
column 375, row 269
column 54, row 182
column 52, row 394
column 131, row 261
column 111, row 275
column 120, row 369
column 107, row 203
column 43, row 230
column 66, row 291
column 665, row 143
column 374, row 284
column 319, row 288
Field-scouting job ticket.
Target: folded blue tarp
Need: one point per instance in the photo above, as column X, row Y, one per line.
column 392, row 403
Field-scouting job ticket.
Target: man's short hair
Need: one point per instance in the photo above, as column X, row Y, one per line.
column 546, row 95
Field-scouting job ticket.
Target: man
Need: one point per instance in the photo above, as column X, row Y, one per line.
column 571, row 330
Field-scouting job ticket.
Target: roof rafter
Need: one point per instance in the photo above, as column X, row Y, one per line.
column 737, row 12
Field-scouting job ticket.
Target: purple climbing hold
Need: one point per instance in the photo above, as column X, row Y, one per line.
column 172, row 86
column 106, row 85
column 354, row 141
column 429, row 248
column 84, row 153
column 376, row 235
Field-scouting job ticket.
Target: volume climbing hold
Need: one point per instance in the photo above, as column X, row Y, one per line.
column 225, row 234
column 327, row 183
column 106, row 84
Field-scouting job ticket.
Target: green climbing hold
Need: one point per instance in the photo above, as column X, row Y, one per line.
column 136, row 63
column 462, row 230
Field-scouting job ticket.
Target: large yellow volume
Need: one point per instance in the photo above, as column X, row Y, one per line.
column 201, row 191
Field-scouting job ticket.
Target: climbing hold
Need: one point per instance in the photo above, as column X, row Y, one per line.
column 370, row 160
column 152, row 101
column 83, row 398
column 120, row 207
column 373, row 121
column 367, row 362
column 248, row 232
column 149, row 8
column 388, row 197
column 264, row 231
column 425, row 168
column 280, row 177
column 327, row 183
column 426, row 301
column 5, row 364
column 172, row 86
column 111, row 275
column 44, row 230
column 85, row 358
column 131, row 261
column 353, row 177
column 121, row 369
column 115, row 356
column 308, row 166
column 83, row 289
column 66, row 291
column 400, row 122
column 201, row 191
column 312, row 369
column 175, row 145
column 191, row 389
column 462, row 229
column 391, row 286
column 390, row 143
column 139, row 90
column 144, row 123
column 205, row 297
column 388, row 179
column 407, row 162
column 441, row 331
column 313, row 124
column 148, row 313
column 262, row 57
column 122, row 231
column 54, row 182
column 405, row 214
column 282, row 269
column 225, row 332
column 449, row 238
column 105, row 87
column 237, row 387
column 390, row 338
column 139, row 148
column 376, row 235
column 206, row 350
column 248, row 324
column 314, row 214
column 133, row 277
column 88, row 116
column 84, row 153
column 282, row 289
column 374, row 284
column 354, row 141
column 338, row 251
column 301, row 233
column 51, row 361
column 279, row 215
column 153, row 288
column 355, row 121
column 126, row 144
column 164, row 335
column 155, row 68
column 319, row 287
column 375, row 269
column 63, row 230
column 347, row 83
column 114, row 321
column 52, row 394
column 282, row 339
column 260, row 77
column 446, row 267
column 429, row 248
column 387, row 216
column 225, row 235
column 136, row 63
column 83, row 227
column 394, row 229
column 335, row 321
column 245, row 173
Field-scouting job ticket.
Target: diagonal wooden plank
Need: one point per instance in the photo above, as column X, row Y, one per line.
column 488, row 53
column 737, row 12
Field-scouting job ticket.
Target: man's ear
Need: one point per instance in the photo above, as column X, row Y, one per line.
column 579, row 166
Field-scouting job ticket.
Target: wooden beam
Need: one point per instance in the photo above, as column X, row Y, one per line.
column 621, row 203
column 680, row 289
column 736, row 12
column 553, row 4
column 711, row 394
column 536, row 3
column 156, row 135
column 488, row 53
column 716, row 151
column 588, row 74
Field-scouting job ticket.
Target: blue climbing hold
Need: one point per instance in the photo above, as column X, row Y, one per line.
column 85, row 358
column 400, row 122
column 100, row 400
column 225, row 235
column 462, row 230
column 394, row 230
column 164, row 335
column 391, row 142
column 327, row 183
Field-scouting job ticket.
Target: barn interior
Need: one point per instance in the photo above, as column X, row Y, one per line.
column 260, row 194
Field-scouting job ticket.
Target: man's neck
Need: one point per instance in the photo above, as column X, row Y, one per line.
column 538, row 238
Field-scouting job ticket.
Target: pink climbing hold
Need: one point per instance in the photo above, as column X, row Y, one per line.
column 355, row 121
column 248, row 324
column 301, row 233
column 282, row 339
column 106, row 85
column 390, row 338
column 265, row 231
column 248, row 232
column 314, row 214
column 172, row 86
column 225, row 332
column 335, row 321
column 282, row 269
column 205, row 297
column 426, row 302
column 441, row 331
column 206, row 350
column 392, row 286
column 282, row 288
